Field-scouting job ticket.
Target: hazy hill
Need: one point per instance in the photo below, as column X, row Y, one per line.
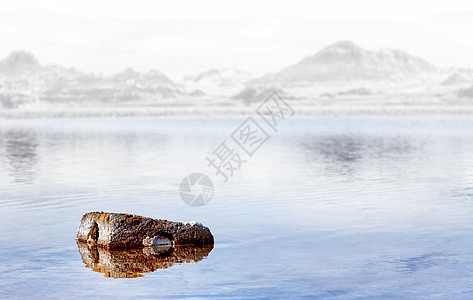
column 23, row 81
column 345, row 60
column 220, row 77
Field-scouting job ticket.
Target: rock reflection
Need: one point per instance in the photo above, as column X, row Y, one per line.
column 20, row 147
column 134, row 263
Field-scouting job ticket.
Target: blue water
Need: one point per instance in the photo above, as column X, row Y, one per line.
column 329, row 207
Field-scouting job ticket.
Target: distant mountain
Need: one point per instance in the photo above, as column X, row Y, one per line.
column 23, row 80
column 455, row 79
column 219, row 77
column 130, row 84
column 339, row 74
column 361, row 92
column 466, row 93
column 19, row 62
column 345, row 61
column 130, row 76
column 259, row 93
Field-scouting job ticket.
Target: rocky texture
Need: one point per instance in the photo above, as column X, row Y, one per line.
column 134, row 262
column 127, row 231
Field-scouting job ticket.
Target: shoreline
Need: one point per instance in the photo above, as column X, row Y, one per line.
column 234, row 111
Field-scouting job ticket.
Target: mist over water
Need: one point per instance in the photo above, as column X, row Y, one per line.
column 329, row 207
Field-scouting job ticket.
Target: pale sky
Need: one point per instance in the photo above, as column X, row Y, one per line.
column 184, row 37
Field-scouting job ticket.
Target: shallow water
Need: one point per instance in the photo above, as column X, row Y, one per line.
column 329, row 207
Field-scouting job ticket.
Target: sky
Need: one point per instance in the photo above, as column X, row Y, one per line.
column 187, row 37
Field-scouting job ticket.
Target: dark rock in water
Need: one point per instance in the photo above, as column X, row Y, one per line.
column 133, row 263
column 127, row 231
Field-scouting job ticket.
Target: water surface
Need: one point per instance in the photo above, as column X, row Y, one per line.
column 329, row 207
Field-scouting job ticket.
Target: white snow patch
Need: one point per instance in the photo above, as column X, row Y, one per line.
column 191, row 223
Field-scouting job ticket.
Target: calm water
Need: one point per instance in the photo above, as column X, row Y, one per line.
column 329, row 207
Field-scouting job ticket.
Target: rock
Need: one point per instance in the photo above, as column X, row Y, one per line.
column 133, row 263
column 127, row 231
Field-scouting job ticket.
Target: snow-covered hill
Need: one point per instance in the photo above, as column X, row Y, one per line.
column 339, row 76
column 219, row 77
column 25, row 82
column 455, row 79
column 216, row 83
column 345, row 61
column 19, row 63
column 466, row 93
